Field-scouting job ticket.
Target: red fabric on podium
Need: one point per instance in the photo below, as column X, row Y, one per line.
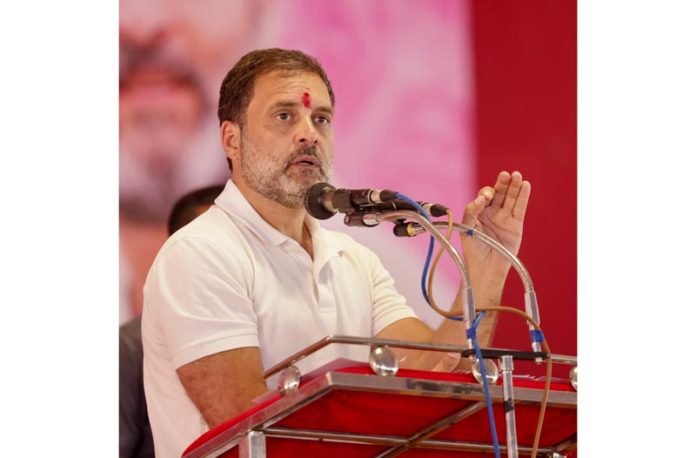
column 352, row 411
column 205, row 437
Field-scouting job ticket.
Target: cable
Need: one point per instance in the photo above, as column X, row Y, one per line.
column 451, row 315
column 549, row 366
column 431, row 246
column 537, row 334
column 471, row 334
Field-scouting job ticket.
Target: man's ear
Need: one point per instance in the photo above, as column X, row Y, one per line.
column 231, row 137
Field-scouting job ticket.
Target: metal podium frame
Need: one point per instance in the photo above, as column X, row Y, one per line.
column 250, row 433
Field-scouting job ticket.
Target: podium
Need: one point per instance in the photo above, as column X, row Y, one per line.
column 347, row 410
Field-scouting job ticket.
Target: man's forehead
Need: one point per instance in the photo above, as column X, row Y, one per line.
column 283, row 84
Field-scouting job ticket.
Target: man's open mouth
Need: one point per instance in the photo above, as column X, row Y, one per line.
column 306, row 161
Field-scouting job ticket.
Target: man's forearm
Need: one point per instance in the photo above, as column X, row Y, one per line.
column 454, row 332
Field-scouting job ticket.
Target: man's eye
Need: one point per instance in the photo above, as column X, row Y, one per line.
column 283, row 116
column 323, row 120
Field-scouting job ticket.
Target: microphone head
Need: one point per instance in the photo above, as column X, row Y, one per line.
column 314, row 201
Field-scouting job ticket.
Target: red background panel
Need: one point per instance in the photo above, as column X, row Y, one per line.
column 525, row 81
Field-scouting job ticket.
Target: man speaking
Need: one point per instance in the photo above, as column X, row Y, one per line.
column 255, row 278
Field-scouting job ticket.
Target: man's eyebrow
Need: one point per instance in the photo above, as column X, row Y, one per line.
column 327, row 109
column 284, row 104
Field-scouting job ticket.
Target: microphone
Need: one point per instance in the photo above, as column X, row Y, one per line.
column 323, row 200
column 434, row 210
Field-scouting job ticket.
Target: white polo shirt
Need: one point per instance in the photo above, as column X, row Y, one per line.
column 230, row 280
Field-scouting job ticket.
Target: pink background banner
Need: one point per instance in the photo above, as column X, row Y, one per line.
column 419, row 110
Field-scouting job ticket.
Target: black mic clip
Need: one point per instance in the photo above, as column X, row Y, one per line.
column 367, row 216
column 361, row 219
column 402, row 228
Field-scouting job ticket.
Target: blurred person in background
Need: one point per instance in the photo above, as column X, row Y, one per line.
column 135, row 434
column 172, row 56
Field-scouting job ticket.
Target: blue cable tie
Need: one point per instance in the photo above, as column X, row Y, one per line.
column 536, row 335
column 471, row 332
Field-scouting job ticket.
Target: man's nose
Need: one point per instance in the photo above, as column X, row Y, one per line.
column 306, row 133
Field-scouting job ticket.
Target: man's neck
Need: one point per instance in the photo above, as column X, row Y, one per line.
column 288, row 221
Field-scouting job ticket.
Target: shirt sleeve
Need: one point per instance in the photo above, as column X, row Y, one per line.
column 201, row 301
column 388, row 305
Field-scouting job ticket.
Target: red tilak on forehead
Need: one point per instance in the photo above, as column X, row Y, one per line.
column 306, row 99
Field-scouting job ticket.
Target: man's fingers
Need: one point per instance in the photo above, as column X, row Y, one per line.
column 513, row 191
column 488, row 193
column 501, row 187
column 510, row 193
column 472, row 210
column 522, row 199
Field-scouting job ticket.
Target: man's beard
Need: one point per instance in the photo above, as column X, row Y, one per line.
column 273, row 180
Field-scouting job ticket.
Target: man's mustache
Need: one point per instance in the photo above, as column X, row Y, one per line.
column 310, row 150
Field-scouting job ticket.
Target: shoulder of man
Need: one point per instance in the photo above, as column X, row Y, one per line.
column 214, row 226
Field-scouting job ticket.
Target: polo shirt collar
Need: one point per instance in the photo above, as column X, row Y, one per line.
column 324, row 245
column 233, row 202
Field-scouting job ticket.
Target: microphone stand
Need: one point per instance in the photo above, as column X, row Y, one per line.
column 530, row 300
column 422, row 224
column 373, row 219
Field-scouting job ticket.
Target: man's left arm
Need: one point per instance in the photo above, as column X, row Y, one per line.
column 498, row 212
